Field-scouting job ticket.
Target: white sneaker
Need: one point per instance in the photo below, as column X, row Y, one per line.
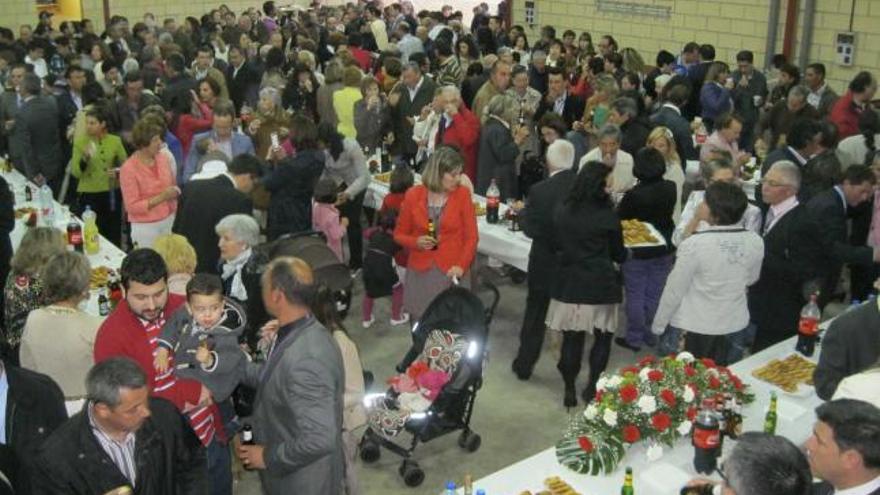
column 368, row 323
column 404, row 318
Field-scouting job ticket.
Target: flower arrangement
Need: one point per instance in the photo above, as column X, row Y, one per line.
column 655, row 401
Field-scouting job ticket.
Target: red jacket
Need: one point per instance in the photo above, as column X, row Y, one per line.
column 845, row 115
column 122, row 334
column 190, row 125
column 464, row 132
column 457, row 235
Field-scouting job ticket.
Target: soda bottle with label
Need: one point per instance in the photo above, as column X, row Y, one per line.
column 91, row 236
column 808, row 327
column 74, row 237
column 493, row 202
column 706, row 439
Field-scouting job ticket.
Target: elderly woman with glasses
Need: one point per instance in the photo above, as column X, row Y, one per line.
column 240, row 268
column 59, row 337
column 500, row 138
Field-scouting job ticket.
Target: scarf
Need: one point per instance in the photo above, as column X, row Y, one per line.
column 232, row 269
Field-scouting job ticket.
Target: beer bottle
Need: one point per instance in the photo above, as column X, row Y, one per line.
column 103, row 305
column 432, row 233
column 770, row 418
column 468, row 485
column 247, row 435
column 627, row 488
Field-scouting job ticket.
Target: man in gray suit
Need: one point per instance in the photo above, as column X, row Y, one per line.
column 10, row 103
column 298, row 409
column 37, row 135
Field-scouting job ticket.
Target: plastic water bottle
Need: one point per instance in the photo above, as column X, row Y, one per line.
column 47, row 205
column 808, row 327
column 90, row 231
column 450, row 488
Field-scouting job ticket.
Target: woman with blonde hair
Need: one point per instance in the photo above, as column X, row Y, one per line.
column 599, row 105
column 500, row 138
column 633, row 62
column 662, row 140
column 23, row 291
column 345, row 99
column 180, row 259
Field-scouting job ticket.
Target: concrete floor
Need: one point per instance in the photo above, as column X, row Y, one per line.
column 515, row 419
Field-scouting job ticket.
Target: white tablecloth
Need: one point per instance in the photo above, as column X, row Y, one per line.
column 496, row 240
column 109, row 255
column 667, row 475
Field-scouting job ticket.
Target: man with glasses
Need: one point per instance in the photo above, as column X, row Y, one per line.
column 844, row 450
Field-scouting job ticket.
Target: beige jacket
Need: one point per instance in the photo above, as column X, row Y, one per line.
column 353, row 415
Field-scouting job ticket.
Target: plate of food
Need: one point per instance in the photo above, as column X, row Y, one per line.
column 384, row 177
column 100, row 277
column 641, row 234
column 792, row 374
column 554, row 485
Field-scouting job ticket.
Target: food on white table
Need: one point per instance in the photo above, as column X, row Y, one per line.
column 787, row 373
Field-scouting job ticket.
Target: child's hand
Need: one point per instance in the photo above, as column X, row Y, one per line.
column 160, row 362
column 204, row 356
column 343, row 221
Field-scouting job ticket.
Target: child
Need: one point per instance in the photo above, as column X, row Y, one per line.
column 203, row 335
column 381, row 278
column 325, row 215
column 401, row 180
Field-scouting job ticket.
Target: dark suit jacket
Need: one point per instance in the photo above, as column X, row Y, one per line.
column 653, row 202
column 406, row 107
column 244, row 86
column 66, row 110
column 681, row 131
column 38, row 138
column 536, row 220
column 572, row 109
column 825, row 488
column 8, row 111
column 202, row 205
column 177, row 88
column 471, row 86
column 850, row 345
column 774, row 156
column 635, row 135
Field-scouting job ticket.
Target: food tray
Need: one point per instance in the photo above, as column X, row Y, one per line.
column 661, row 241
column 803, row 389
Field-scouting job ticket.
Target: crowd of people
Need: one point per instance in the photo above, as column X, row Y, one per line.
column 198, row 142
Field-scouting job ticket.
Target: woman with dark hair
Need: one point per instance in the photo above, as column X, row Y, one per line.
column 715, row 99
column 190, row 117
column 466, row 51
column 292, row 181
column 652, row 200
column 587, row 287
column 372, row 115
column 300, row 93
column 346, row 165
column 520, row 46
column 273, row 74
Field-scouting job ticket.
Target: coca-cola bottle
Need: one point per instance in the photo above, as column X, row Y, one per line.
column 808, row 327
column 706, row 439
column 493, row 202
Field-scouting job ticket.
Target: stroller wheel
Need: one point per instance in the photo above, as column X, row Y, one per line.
column 469, row 441
column 370, row 450
column 412, row 474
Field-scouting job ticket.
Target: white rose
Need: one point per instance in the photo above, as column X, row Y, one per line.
column 684, row 429
column 591, row 412
column 685, row 357
column 688, row 395
column 655, row 452
column 602, row 383
column 615, row 381
column 610, row 417
column 647, row 404
column 643, row 375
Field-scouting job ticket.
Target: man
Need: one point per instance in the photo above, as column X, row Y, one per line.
column 776, row 299
column 243, row 79
column 71, row 100
column 608, row 152
column 802, row 143
column 298, row 412
column 407, row 44
column 122, row 438
column 496, row 27
column 222, row 138
column 821, row 96
column 472, row 84
column 459, row 127
column 843, row 449
column 205, row 202
column 203, row 68
column 762, row 464
column 845, row 112
column 558, row 100
column 449, row 71
column 377, row 26
column 670, row 117
column 126, row 108
column 32, row 408
column 607, row 45
column 827, row 214
column 665, row 65
column 406, row 103
column 538, row 71
column 177, row 84
column 625, row 114
column 10, row 105
column 690, row 56
column 749, row 93
column 37, row 135
column 851, row 345
column 116, row 41
column 543, row 199
column 132, row 330
column 499, row 80
column 34, row 57
column 775, row 125
column 697, row 76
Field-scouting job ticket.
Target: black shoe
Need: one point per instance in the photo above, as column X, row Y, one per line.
column 570, row 399
column 621, row 341
column 521, row 374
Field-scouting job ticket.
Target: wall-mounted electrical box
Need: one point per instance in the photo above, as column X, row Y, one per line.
column 845, row 47
column 530, row 13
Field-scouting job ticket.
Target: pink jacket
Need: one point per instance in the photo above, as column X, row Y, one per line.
column 325, row 218
column 140, row 182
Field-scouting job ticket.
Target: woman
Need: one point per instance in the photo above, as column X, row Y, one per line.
column 599, row 105
column 585, row 46
column 292, row 182
column 240, row 269
column 270, row 118
column 725, row 138
column 500, row 138
column 652, row 200
column 587, row 288
column 23, row 291
column 521, row 47
column 441, row 200
column 192, row 117
column 633, row 62
column 300, row 94
column 58, row 338
column 180, row 259
column 466, row 51
column 346, row 165
column 715, row 96
column 98, row 53
column 93, row 162
column 149, row 189
column 324, row 95
column 372, row 115
column 662, row 140
column 856, row 149
column 345, row 99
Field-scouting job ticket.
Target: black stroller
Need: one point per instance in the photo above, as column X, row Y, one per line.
column 464, row 320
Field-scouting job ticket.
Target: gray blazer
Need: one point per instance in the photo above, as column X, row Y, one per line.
column 38, row 138
column 298, row 412
column 350, row 169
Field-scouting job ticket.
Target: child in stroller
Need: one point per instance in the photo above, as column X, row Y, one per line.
column 440, row 376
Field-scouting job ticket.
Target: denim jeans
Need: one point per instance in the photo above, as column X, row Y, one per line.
column 740, row 341
column 668, row 342
column 219, row 468
column 643, row 281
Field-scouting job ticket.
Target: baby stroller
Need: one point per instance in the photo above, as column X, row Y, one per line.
column 311, row 247
column 450, row 341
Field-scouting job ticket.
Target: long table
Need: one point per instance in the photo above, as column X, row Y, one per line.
column 668, row 474
column 496, row 240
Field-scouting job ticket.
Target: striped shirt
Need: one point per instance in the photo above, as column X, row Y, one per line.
column 121, row 453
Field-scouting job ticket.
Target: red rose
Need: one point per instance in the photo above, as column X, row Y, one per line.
column 586, row 444
column 647, row 360
column 630, row 369
column 709, row 363
column 691, row 413
column 599, row 394
column 690, row 371
column 737, row 383
column 629, row 393
column 655, row 375
column 714, row 382
column 631, row 434
column 668, row 396
column 660, row 421
column 724, row 370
